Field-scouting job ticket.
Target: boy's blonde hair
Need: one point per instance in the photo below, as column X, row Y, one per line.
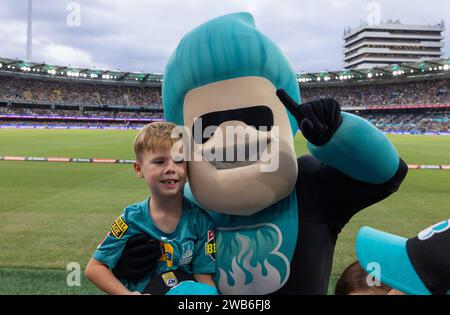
column 152, row 137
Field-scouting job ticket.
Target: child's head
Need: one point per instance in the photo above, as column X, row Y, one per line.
column 353, row 281
column 164, row 174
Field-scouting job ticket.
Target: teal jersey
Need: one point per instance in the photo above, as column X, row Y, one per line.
column 191, row 247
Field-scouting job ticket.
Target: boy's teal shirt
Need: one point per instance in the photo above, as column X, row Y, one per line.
column 191, row 247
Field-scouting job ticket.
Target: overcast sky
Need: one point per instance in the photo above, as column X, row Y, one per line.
column 138, row 35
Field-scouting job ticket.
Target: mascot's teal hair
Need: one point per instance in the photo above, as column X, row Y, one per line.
column 224, row 48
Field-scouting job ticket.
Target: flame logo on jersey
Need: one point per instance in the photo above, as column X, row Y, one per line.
column 249, row 260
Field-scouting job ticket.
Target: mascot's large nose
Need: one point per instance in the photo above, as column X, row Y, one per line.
column 235, row 144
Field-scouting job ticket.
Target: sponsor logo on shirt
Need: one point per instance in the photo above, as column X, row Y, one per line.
column 169, row 279
column 435, row 229
column 118, row 228
column 187, row 253
column 167, row 254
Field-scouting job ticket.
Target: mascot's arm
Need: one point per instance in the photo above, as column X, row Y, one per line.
column 353, row 164
column 359, row 150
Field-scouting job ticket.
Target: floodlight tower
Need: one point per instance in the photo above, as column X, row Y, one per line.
column 29, row 27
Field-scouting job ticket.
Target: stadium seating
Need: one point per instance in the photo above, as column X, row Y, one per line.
column 76, row 92
column 74, row 103
column 405, row 93
column 414, row 122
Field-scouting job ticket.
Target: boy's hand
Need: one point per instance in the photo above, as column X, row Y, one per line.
column 318, row 120
column 139, row 257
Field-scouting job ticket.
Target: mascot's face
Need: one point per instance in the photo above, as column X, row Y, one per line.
column 239, row 175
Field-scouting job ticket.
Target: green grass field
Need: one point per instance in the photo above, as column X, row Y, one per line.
column 55, row 213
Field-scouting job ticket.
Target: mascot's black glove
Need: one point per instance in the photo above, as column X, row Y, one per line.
column 318, row 120
column 139, row 257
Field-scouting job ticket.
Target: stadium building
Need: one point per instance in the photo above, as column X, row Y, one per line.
column 402, row 98
column 391, row 43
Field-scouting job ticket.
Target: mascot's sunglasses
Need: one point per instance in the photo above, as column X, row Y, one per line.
column 260, row 117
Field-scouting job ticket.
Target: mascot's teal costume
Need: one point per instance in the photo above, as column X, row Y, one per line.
column 276, row 230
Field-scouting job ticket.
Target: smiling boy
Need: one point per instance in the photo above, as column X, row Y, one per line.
column 182, row 228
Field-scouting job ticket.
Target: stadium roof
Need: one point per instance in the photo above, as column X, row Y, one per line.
column 426, row 67
column 416, row 69
column 22, row 66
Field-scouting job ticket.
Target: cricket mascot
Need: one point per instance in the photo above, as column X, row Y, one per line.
column 277, row 216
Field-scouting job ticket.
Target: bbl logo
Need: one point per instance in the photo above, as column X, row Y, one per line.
column 210, row 246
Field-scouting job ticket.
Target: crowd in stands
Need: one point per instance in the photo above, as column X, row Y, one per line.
column 431, row 121
column 78, row 113
column 410, row 93
column 80, row 94
column 75, row 92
